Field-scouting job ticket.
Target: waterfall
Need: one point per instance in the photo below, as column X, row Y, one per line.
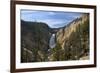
column 52, row 42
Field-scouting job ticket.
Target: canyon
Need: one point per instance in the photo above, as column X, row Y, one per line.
column 40, row 43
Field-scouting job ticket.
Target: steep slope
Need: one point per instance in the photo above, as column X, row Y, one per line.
column 34, row 41
column 74, row 38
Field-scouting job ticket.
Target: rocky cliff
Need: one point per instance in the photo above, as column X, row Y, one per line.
column 74, row 38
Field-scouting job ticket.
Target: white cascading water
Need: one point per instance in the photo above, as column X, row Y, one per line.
column 52, row 42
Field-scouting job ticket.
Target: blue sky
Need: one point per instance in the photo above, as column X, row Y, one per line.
column 53, row 19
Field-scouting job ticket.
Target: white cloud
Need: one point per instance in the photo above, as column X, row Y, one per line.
column 51, row 13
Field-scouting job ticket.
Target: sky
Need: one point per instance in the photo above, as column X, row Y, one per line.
column 54, row 19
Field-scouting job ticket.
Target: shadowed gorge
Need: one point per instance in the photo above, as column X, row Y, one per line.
column 35, row 38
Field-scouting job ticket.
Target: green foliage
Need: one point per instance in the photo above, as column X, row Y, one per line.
column 57, row 53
